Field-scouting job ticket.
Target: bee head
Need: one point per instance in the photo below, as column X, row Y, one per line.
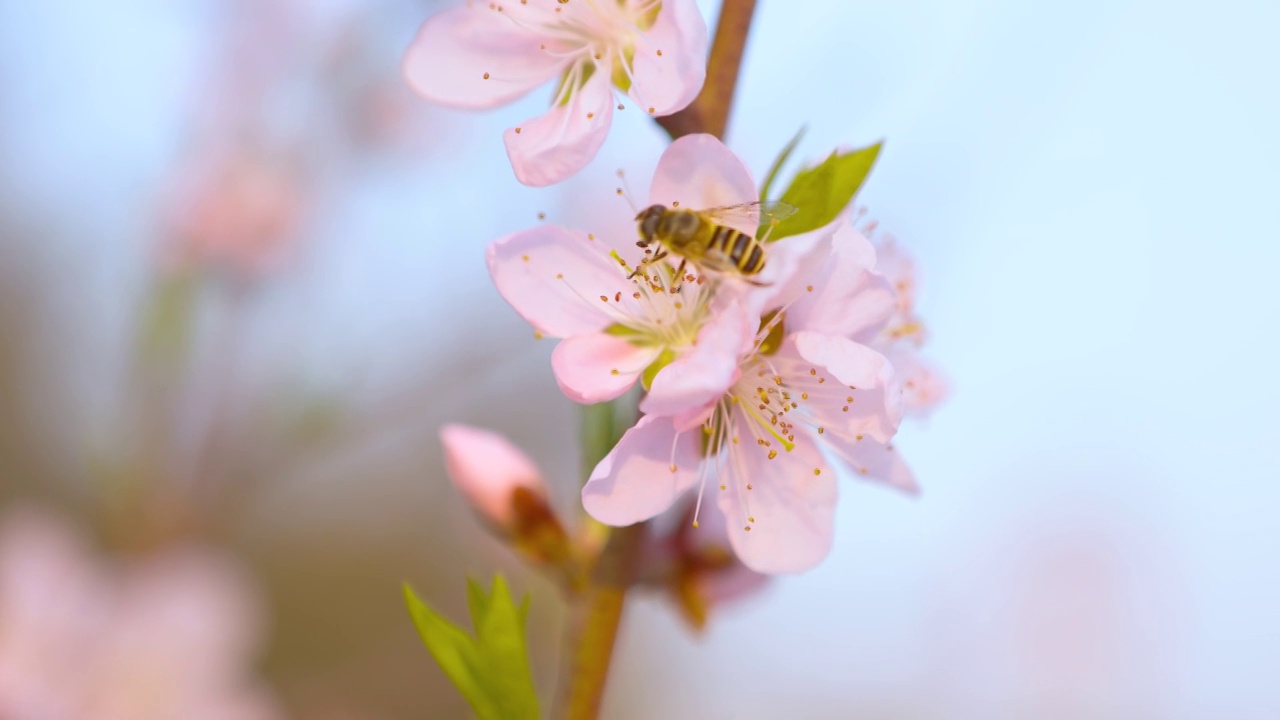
column 649, row 219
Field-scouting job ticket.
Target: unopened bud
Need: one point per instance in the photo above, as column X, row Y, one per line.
column 506, row 489
column 488, row 470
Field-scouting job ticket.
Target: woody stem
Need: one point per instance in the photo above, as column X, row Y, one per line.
column 596, row 611
column 709, row 113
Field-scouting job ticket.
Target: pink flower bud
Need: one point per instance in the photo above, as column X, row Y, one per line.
column 489, row 470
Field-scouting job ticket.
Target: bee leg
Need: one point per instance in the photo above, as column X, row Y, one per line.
column 647, row 260
column 679, row 276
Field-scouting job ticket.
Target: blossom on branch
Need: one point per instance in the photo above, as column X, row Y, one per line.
column 680, row 336
column 805, row 392
column 486, row 54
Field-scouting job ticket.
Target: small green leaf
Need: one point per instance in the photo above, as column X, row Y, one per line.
column 454, row 650
column 500, row 639
column 779, row 162
column 822, row 192
column 477, row 603
column 491, row 670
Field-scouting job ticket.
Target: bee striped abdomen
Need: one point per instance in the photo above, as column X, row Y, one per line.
column 720, row 239
column 755, row 261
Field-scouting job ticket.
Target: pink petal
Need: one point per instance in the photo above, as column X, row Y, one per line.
column 699, row 172
column 792, row 506
column 648, row 470
column 924, row 387
column 598, row 367
column 876, row 461
column 555, row 277
column 704, row 373
column 729, row 584
column 847, row 298
column 670, row 81
column 851, row 370
column 487, row 469
column 791, row 267
column 550, row 148
column 455, row 49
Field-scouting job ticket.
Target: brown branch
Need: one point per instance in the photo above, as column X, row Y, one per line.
column 709, row 112
column 595, row 613
column 592, row 628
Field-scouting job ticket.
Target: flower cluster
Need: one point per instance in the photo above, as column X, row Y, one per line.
column 757, row 392
column 767, row 370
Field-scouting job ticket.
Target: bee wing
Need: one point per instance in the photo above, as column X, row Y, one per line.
column 751, row 214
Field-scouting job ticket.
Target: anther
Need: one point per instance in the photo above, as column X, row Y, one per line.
column 524, row 258
column 604, row 298
column 817, row 471
column 486, row 76
column 659, row 53
column 821, row 430
column 517, row 131
column 773, row 454
column 613, row 371
column 590, row 115
column 810, row 288
column 750, row 486
column 849, row 399
column 844, row 409
column 651, row 111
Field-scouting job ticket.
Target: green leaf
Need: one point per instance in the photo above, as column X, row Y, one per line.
column 779, row 162
column 454, row 650
column 491, row 669
column 822, row 192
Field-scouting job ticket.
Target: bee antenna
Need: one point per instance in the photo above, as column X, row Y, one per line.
column 625, row 191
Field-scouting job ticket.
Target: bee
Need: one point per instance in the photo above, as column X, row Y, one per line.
column 707, row 238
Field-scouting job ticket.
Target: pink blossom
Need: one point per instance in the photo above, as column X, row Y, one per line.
column 238, row 210
column 805, row 391
column 169, row 636
column 482, row 55
column 682, row 336
column 696, row 566
column 489, row 470
column 924, row 386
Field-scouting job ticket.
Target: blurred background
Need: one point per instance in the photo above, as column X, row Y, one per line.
column 242, row 286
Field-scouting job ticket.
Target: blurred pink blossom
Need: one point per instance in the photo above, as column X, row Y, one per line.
column 482, row 55
column 82, row 638
column 902, row 337
column 696, row 567
column 238, row 209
